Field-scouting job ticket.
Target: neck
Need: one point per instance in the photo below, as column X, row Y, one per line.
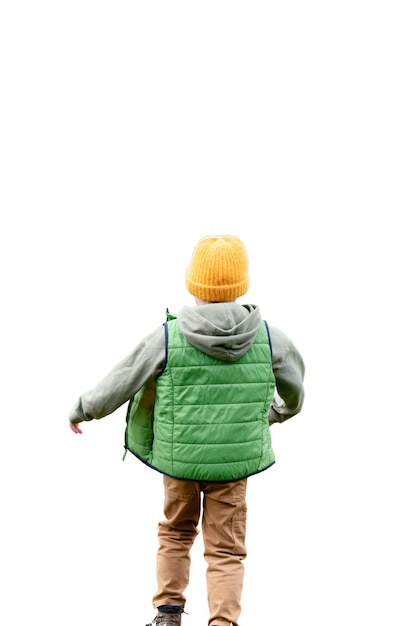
column 200, row 302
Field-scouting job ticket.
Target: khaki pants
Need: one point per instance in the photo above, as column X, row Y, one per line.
column 223, row 526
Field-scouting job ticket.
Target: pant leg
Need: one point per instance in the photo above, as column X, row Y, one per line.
column 224, row 535
column 176, row 536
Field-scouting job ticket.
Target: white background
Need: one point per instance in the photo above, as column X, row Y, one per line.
column 128, row 131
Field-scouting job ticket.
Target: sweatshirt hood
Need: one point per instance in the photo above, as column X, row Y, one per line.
column 223, row 330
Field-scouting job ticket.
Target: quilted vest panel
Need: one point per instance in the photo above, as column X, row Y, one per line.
column 209, row 420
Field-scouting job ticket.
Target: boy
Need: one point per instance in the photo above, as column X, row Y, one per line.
column 214, row 377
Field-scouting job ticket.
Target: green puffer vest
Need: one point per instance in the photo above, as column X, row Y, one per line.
column 203, row 418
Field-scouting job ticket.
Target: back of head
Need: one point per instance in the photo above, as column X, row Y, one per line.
column 218, row 271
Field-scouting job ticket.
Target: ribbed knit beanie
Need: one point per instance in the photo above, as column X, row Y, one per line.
column 218, row 271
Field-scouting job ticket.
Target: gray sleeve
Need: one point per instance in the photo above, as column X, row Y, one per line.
column 123, row 381
column 288, row 367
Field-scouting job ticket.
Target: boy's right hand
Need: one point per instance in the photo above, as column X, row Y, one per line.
column 76, row 428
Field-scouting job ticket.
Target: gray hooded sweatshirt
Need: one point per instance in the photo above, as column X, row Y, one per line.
column 224, row 331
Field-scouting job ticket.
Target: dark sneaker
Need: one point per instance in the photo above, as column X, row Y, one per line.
column 167, row 619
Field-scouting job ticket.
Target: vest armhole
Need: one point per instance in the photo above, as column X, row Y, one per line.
column 269, row 336
column 164, row 364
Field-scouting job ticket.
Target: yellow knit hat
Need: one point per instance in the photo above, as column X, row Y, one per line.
column 218, row 271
